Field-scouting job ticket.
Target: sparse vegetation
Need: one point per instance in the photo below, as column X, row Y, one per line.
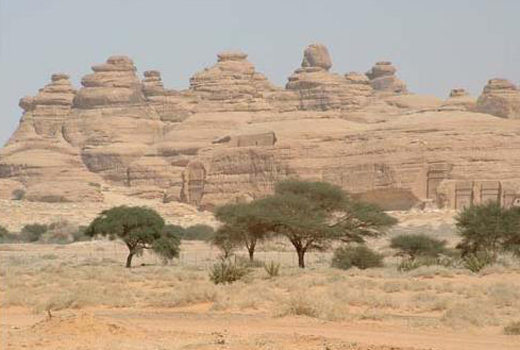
column 32, row 232
column 488, row 229
column 227, row 271
column 272, row 268
column 412, row 246
column 359, row 256
column 18, row 194
column 512, row 328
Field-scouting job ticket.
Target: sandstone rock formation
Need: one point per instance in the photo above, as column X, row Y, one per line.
column 232, row 85
column 460, row 99
column 500, row 98
column 232, row 135
column 382, row 78
column 318, row 89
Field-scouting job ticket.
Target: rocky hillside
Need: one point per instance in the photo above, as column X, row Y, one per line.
column 232, row 134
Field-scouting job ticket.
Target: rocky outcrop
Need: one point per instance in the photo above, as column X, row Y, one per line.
column 112, row 83
column 318, row 89
column 316, row 55
column 232, row 85
column 48, row 109
column 500, row 98
column 232, row 135
column 459, row 99
column 382, row 78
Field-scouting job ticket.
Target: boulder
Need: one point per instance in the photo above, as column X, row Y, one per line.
column 317, row 55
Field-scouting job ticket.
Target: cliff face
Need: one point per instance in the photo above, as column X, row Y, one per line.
column 232, row 134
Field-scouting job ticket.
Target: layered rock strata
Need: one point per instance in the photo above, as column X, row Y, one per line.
column 383, row 79
column 500, row 98
column 232, row 135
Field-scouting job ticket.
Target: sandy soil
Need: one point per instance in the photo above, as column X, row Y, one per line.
column 97, row 304
column 195, row 329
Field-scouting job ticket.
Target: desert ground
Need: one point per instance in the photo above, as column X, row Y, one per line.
column 80, row 296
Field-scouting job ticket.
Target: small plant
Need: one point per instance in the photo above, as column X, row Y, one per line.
column 226, row 272
column 18, row 194
column 272, row 269
column 33, row 232
column 477, row 261
column 359, row 256
column 6, row 236
column 512, row 328
column 417, row 245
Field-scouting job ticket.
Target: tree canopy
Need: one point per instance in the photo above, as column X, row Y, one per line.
column 488, row 229
column 140, row 228
column 309, row 214
column 244, row 224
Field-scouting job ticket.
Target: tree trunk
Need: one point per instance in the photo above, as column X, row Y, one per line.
column 301, row 255
column 129, row 259
column 251, row 250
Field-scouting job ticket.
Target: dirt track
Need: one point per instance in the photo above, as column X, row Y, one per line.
column 168, row 329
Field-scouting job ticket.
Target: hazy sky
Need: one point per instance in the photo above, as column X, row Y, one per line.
column 436, row 45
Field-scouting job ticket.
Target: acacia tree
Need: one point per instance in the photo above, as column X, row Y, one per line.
column 140, row 228
column 244, row 224
column 312, row 214
column 488, row 228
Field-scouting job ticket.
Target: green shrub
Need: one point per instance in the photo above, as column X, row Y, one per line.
column 226, row 272
column 6, row 236
column 79, row 235
column 513, row 328
column 272, row 269
column 408, row 264
column 33, row 232
column 18, row 194
column 198, row 232
column 359, row 256
column 415, row 245
column 477, row 261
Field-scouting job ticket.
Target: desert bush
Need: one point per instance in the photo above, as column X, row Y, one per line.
column 272, row 269
column 32, row 232
column 6, row 236
column 79, row 235
column 489, row 229
column 198, row 232
column 61, row 231
column 512, row 328
column 477, row 261
column 18, row 194
column 226, row 272
column 417, row 245
column 359, row 256
column 462, row 315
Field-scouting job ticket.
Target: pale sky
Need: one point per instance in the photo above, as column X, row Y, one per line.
column 436, row 45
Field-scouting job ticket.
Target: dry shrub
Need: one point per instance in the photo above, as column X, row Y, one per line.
column 463, row 315
column 512, row 328
column 504, row 294
column 316, row 306
column 183, row 294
